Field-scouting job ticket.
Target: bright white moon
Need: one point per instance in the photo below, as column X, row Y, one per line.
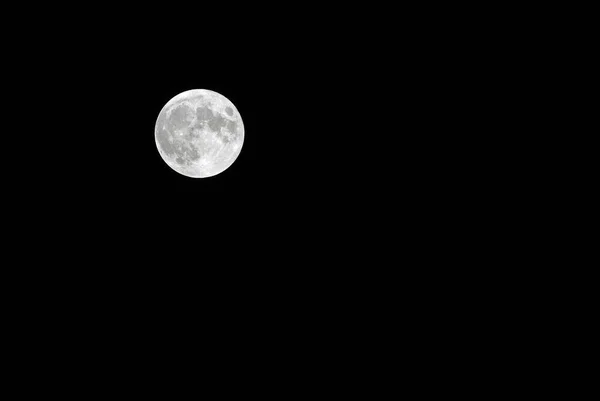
column 199, row 133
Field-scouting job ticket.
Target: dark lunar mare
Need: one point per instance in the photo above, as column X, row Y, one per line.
column 192, row 152
column 232, row 127
column 217, row 122
column 214, row 121
column 203, row 113
column 233, row 134
column 178, row 119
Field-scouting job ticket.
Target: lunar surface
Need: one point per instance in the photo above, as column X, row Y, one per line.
column 199, row 133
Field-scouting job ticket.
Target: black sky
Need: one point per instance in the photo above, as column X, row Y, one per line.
column 349, row 117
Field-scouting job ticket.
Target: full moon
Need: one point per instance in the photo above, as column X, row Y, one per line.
column 199, row 133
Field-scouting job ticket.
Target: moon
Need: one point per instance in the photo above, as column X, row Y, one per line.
column 199, row 133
